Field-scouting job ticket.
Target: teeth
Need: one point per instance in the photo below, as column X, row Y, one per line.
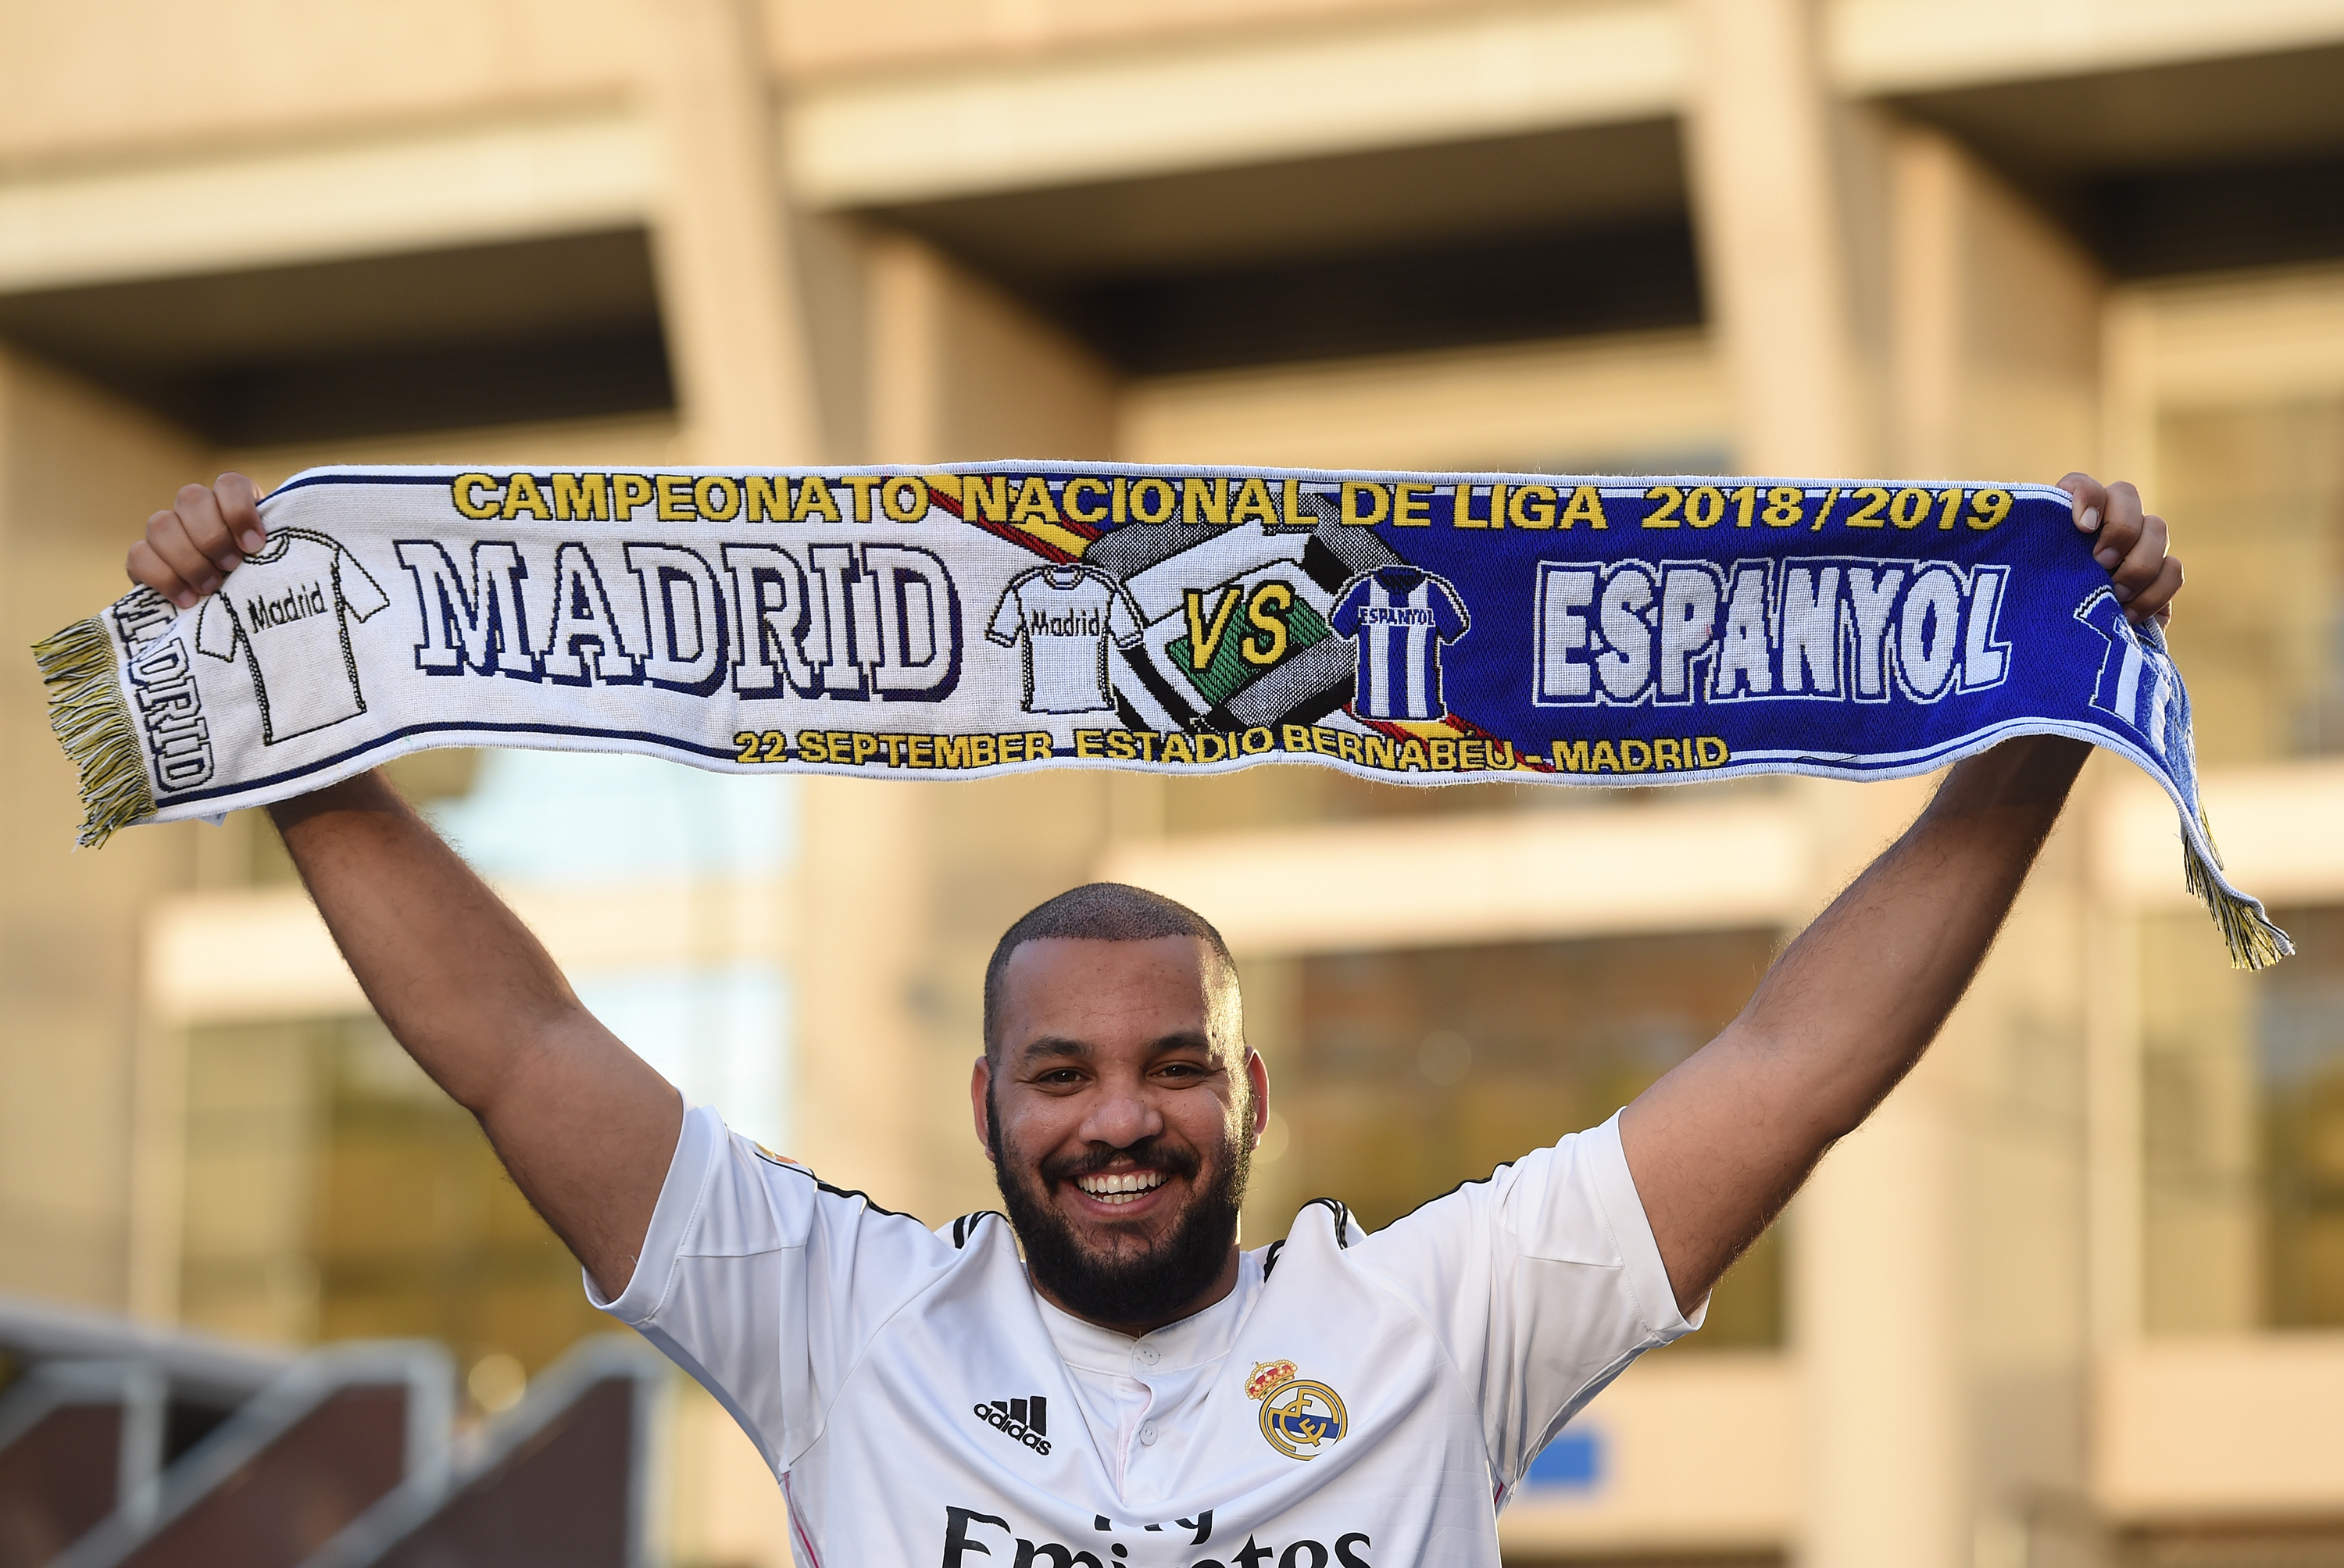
column 1120, row 1187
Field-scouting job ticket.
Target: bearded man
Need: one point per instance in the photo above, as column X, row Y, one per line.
column 1134, row 1389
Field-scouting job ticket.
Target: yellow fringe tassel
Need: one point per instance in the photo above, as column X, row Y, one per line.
column 2254, row 942
column 93, row 725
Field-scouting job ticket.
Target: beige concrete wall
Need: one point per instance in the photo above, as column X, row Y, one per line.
column 1993, row 350
column 646, row 439
column 134, row 78
column 1870, row 45
column 2013, row 1093
column 251, row 1141
column 1775, row 215
column 78, row 474
column 141, row 75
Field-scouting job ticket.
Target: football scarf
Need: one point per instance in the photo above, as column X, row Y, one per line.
column 1415, row 629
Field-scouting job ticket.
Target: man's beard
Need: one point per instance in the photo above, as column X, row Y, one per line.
column 1127, row 1289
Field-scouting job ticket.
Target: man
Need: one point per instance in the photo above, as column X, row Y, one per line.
column 1135, row 1389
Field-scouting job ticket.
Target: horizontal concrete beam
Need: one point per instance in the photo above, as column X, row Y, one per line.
column 1112, row 108
column 2221, row 1429
column 473, row 185
column 2225, row 341
column 1880, row 46
column 249, row 956
column 1118, row 110
column 1518, row 405
column 1594, row 871
column 918, row 134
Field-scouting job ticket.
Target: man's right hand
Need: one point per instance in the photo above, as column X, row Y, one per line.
column 584, row 1125
column 192, row 546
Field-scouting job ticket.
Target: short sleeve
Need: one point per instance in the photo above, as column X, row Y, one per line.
column 766, row 1284
column 361, row 593
column 1345, row 616
column 216, row 629
column 1454, row 620
column 1542, row 1283
column 1005, row 617
column 1123, row 620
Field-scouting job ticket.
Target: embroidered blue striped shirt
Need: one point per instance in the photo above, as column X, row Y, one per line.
column 1399, row 617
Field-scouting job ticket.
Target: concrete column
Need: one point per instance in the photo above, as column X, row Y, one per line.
column 158, row 1171
column 908, row 381
column 1876, row 1304
column 1771, row 213
column 1996, row 350
column 1871, row 1265
column 960, row 371
column 86, row 1213
column 1939, row 1292
column 730, row 284
column 1874, row 1281
column 1995, row 342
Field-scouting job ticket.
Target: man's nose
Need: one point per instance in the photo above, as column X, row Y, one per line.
column 1121, row 1114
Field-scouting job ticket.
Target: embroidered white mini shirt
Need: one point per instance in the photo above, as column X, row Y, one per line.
column 1065, row 616
column 288, row 610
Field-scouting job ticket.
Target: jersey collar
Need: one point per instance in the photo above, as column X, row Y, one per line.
column 1197, row 1340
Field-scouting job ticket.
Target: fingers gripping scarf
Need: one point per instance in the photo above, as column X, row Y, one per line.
column 1417, row 628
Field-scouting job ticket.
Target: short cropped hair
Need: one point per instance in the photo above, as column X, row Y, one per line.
column 1095, row 912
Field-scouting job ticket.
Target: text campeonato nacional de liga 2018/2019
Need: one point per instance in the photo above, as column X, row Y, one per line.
column 1216, row 501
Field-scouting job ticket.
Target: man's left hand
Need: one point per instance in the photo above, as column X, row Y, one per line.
column 2130, row 544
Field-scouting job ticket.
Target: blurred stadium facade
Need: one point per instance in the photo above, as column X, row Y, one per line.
column 2077, row 1297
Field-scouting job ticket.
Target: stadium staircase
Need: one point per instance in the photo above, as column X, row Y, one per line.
column 124, row 1447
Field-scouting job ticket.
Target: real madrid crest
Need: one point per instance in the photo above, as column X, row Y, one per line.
column 1297, row 1414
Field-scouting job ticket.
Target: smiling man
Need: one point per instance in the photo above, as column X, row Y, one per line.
column 1134, row 1389
column 1133, row 1102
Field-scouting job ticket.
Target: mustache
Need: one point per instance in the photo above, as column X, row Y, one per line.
column 1154, row 1153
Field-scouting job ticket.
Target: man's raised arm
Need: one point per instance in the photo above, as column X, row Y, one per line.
column 584, row 1126
column 1720, row 1144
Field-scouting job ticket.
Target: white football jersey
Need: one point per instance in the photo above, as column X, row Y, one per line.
column 1359, row 1400
column 289, row 610
column 1065, row 616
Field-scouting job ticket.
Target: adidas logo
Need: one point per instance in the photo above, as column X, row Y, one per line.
column 1025, row 1421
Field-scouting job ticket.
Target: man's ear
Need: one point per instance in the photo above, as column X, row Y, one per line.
column 1258, row 1078
column 980, row 1078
